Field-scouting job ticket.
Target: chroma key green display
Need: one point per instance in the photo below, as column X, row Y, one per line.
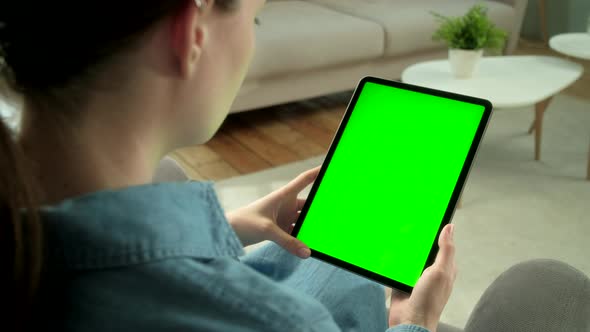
column 383, row 195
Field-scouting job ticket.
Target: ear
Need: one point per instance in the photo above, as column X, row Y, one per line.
column 188, row 38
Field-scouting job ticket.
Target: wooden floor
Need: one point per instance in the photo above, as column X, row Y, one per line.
column 257, row 140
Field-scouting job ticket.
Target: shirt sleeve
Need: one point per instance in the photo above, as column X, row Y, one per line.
column 186, row 294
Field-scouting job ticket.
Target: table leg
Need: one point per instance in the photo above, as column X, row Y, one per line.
column 543, row 20
column 532, row 128
column 540, row 108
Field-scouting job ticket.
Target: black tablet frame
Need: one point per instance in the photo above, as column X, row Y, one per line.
column 456, row 192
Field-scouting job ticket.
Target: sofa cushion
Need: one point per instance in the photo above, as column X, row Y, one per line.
column 409, row 24
column 298, row 36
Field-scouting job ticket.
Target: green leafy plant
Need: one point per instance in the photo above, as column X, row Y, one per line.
column 473, row 31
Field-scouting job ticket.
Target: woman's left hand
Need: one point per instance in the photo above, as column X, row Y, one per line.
column 272, row 217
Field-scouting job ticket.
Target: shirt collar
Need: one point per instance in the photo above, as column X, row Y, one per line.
column 138, row 225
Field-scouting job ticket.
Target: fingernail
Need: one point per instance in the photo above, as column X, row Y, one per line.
column 304, row 252
column 452, row 231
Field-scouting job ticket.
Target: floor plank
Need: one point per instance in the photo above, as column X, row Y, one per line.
column 199, row 155
column 326, row 120
column 304, row 123
column 266, row 148
column 237, row 155
column 270, row 126
column 218, row 170
column 204, row 163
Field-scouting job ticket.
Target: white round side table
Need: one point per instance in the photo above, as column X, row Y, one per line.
column 576, row 45
column 506, row 81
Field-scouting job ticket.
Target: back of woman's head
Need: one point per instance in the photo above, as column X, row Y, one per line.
column 50, row 52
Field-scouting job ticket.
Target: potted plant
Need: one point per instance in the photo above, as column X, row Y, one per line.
column 467, row 37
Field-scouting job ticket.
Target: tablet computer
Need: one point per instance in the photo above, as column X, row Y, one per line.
column 391, row 180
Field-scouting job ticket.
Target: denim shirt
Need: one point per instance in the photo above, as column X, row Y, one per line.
column 164, row 258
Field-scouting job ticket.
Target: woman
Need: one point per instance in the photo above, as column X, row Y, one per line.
column 109, row 88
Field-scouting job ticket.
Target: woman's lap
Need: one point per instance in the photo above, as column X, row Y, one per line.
column 357, row 304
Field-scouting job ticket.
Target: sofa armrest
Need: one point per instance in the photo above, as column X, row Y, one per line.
column 519, row 10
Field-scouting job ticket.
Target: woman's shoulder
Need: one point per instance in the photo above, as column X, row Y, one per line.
column 138, row 225
column 163, row 257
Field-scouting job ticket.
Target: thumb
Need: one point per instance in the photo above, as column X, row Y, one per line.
column 446, row 254
column 289, row 243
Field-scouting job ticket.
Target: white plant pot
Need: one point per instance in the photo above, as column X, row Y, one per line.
column 464, row 62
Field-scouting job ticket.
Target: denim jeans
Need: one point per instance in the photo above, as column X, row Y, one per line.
column 356, row 303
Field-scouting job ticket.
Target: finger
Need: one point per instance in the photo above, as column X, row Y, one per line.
column 289, row 243
column 300, row 203
column 445, row 258
column 302, row 180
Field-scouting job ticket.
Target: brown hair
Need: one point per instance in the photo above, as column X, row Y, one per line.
column 20, row 233
column 50, row 52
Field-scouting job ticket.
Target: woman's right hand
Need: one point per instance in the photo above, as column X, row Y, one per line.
column 432, row 291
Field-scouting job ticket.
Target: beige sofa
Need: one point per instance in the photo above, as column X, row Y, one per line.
column 316, row 47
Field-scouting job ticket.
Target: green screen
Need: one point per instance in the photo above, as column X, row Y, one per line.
column 384, row 194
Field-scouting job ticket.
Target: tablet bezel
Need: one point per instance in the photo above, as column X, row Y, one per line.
column 454, row 197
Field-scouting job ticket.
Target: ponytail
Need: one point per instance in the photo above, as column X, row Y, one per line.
column 20, row 235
